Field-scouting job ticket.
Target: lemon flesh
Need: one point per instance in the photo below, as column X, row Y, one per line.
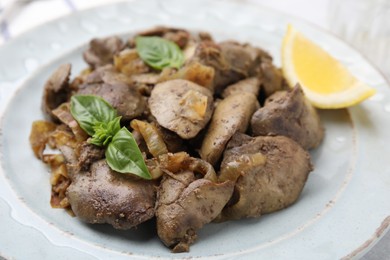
column 325, row 81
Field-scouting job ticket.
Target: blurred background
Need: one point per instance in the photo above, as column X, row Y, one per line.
column 21, row 15
column 365, row 24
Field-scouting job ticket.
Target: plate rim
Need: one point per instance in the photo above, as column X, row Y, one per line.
column 378, row 234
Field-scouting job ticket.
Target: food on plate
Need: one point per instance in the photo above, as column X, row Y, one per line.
column 101, row 195
column 181, row 106
column 290, row 114
column 231, row 115
column 250, row 85
column 108, row 84
column 269, row 174
column 189, row 196
column 102, row 51
column 56, row 90
column 324, row 80
column 174, row 126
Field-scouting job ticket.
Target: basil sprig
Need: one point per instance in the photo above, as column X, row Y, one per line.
column 159, row 53
column 90, row 110
column 100, row 120
column 105, row 132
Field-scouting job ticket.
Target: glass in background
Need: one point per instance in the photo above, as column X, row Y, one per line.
column 365, row 24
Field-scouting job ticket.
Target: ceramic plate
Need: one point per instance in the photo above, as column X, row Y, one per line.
column 342, row 206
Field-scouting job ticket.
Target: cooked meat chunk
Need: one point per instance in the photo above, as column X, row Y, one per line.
column 270, row 173
column 178, row 36
column 230, row 116
column 229, row 61
column 194, row 204
column 204, row 36
column 87, row 154
column 181, row 106
column 172, row 140
column 288, row 113
column 56, row 90
column 250, row 85
column 262, row 67
column 272, row 78
column 96, row 75
column 258, row 56
column 107, row 74
column 80, row 156
column 186, row 203
column 146, row 79
column 209, row 54
column 123, row 97
column 101, row 51
column 237, row 57
column 104, row 196
column 232, row 61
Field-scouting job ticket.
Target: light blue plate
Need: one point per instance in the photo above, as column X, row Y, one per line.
column 344, row 201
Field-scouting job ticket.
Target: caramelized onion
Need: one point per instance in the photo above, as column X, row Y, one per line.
column 129, row 63
column 195, row 71
column 195, row 104
column 59, row 180
column 200, row 166
column 62, row 137
column 63, row 114
column 178, row 162
column 154, row 168
column 175, row 162
column 243, row 163
column 39, row 136
column 152, row 137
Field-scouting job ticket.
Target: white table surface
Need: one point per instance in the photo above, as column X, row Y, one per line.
column 41, row 11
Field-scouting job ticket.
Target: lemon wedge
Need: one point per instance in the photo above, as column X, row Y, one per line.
column 324, row 80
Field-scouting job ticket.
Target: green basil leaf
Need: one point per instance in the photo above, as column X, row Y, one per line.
column 104, row 132
column 123, row 155
column 89, row 110
column 159, row 53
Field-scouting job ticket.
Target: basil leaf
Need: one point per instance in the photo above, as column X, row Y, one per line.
column 89, row 110
column 123, row 155
column 104, row 132
column 159, row 53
